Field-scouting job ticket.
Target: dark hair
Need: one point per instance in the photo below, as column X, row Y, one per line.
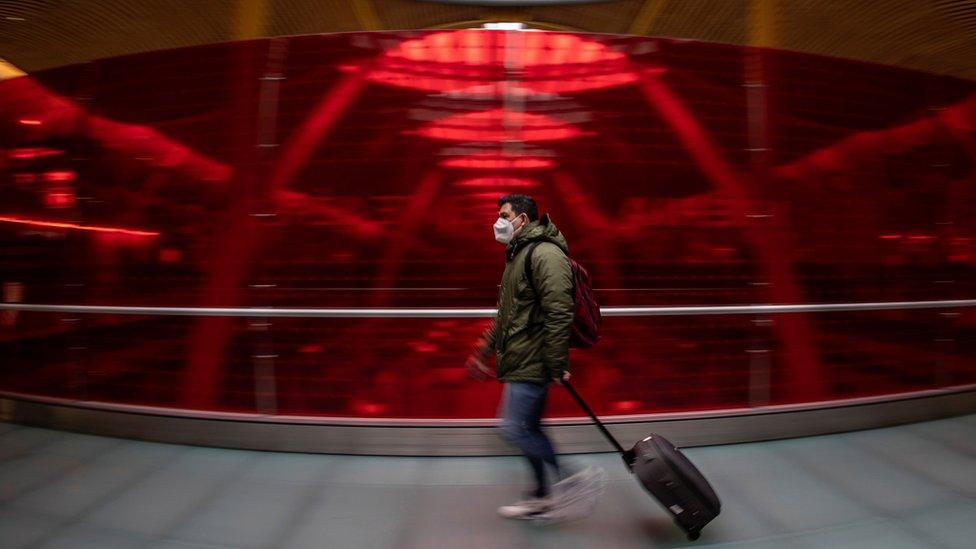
column 521, row 204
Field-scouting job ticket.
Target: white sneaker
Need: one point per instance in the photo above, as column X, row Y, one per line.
column 584, row 480
column 572, row 482
column 576, row 496
column 526, row 509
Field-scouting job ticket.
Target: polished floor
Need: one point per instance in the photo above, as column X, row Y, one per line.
column 908, row 486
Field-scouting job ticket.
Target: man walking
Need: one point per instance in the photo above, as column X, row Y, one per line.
column 530, row 336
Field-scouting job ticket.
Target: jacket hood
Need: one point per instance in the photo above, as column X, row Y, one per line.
column 541, row 230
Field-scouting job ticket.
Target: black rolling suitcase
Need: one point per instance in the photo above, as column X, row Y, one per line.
column 668, row 475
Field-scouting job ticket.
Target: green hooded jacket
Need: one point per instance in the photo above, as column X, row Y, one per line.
column 530, row 333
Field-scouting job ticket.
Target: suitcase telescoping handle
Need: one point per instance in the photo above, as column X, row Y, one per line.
column 628, row 455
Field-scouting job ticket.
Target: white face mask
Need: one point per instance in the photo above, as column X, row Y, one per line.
column 504, row 230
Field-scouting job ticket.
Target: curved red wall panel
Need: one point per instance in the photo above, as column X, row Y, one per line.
column 362, row 170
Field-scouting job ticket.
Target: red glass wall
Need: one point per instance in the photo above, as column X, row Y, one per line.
column 362, row 170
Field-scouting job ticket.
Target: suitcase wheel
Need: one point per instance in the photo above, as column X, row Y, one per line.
column 694, row 534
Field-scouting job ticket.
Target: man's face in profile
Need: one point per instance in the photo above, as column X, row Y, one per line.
column 505, row 212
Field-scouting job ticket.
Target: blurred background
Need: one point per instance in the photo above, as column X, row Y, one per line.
column 300, row 153
column 326, row 173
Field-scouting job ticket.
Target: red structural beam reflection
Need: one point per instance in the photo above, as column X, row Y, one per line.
column 498, row 162
column 499, row 125
column 59, row 225
column 60, row 120
column 546, row 62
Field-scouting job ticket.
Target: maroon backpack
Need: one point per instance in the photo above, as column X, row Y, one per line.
column 586, row 311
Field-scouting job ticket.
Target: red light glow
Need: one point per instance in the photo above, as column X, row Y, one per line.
column 498, row 125
column 60, row 199
column 498, row 162
column 478, row 48
column 497, row 183
column 437, row 84
column 365, row 408
column 491, row 197
column 29, row 122
column 60, row 175
column 424, row 347
column 58, row 225
column 625, row 406
column 31, row 153
column 549, row 62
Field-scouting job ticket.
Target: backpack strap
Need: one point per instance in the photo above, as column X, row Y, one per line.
column 528, row 266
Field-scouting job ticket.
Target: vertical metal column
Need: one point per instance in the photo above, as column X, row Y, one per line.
column 263, row 215
column 760, row 361
column 75, row 275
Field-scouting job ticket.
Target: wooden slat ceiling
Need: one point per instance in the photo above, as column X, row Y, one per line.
column 932, row 35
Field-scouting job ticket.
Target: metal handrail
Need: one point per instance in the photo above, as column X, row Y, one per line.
column 616, row 419
column 365, row 312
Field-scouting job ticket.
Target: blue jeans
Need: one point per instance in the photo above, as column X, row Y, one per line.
column 521, row 413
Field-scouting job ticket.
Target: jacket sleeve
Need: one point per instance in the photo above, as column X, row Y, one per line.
column 553, row 278
column 487, row 342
